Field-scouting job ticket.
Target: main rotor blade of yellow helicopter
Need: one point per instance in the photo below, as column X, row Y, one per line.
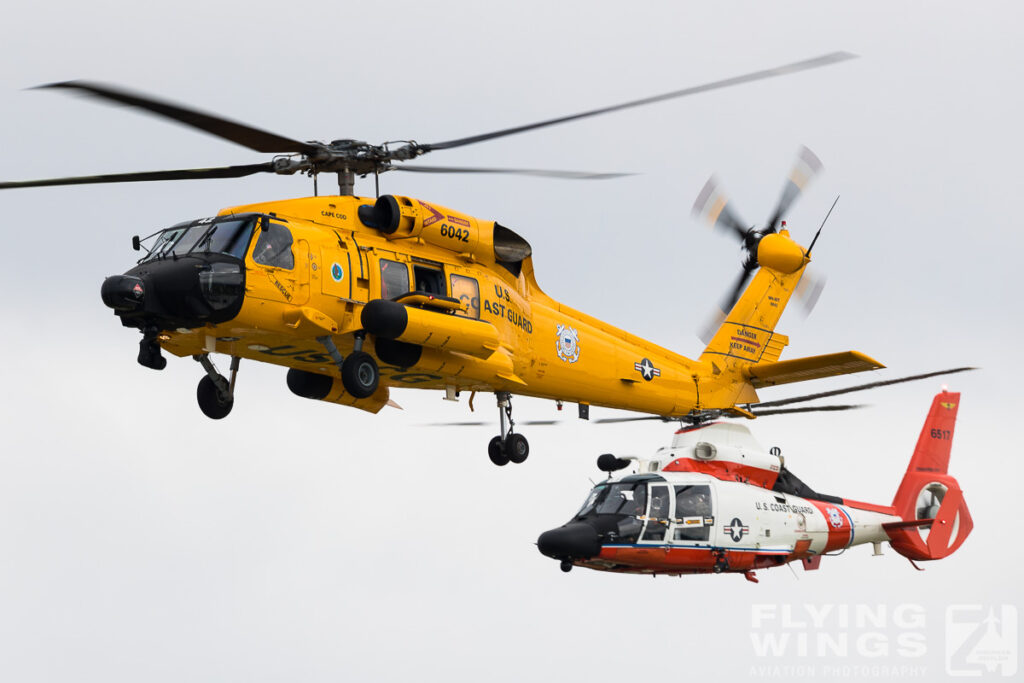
column 239, row 133
column 803, row 65
column 544, row 173
column 180, row 174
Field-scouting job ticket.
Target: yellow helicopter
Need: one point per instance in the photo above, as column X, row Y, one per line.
column 355, row 295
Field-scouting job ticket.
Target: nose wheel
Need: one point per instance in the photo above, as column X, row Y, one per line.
column 215, row 393
column 508, row 446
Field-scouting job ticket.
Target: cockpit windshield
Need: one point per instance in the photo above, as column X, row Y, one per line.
column 223, row 236
column 623, row 498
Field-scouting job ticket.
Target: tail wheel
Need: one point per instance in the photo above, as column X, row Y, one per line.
column 210, row 401
column 359, row 374
column 496, row 452
column 517, row 448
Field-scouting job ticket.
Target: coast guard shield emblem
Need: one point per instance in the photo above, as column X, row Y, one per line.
column 567, row 345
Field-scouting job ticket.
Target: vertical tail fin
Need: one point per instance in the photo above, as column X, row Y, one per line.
column 746, row 334
column 927, row 492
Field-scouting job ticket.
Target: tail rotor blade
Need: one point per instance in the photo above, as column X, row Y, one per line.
column 807, row 166
column 734, row 294
column 713, row 205
column 808, row 291
column 707, row 331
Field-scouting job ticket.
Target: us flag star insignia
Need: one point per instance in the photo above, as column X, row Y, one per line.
column 647, row 370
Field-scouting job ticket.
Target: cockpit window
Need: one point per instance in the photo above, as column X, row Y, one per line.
column 274, row 246
column 164, row 242
column 624, row 499
column 229, row 236
column 596, row 495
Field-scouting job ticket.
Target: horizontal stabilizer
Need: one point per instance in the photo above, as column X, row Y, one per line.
column 910, row 524
column 811, row 367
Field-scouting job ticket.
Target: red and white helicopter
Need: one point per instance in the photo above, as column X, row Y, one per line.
column 717, row 502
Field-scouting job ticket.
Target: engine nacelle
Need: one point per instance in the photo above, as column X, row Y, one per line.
column 398, row 217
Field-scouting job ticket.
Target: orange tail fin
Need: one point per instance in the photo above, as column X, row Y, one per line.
column 927, row 492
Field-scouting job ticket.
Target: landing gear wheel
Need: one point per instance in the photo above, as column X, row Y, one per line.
column 566, row 565
column 496, row 452
column 359, row 374
column 210, row 401
column 517, row 448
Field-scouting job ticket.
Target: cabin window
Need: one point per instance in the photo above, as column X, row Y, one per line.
column 394, row 279
column 274, row 246
column 429, row 280
column 657, row 516
column 693, row 512
column 467, row 290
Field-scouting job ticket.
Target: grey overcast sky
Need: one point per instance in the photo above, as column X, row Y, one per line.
column 140, row 541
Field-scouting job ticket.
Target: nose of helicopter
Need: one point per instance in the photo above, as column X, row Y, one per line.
column 172, row 293
column 576, row 540
column 123, row 292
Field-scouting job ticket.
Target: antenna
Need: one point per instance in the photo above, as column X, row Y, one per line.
column 822, row 225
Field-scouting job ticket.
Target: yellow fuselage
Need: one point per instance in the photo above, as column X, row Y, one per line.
column 540, row 347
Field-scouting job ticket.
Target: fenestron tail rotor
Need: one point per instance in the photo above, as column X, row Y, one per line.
column 349, row 158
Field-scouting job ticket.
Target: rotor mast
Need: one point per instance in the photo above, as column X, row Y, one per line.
column 346, row 182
